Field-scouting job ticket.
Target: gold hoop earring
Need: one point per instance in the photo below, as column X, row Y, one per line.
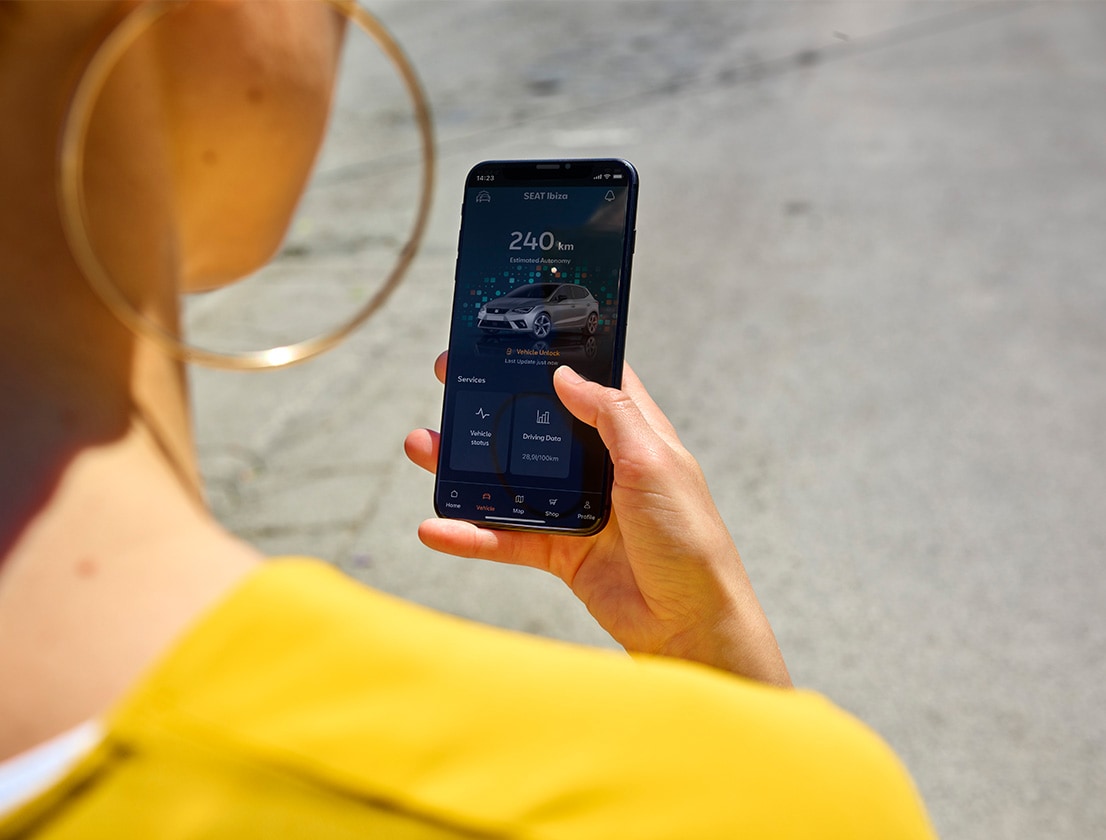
column 74, row 214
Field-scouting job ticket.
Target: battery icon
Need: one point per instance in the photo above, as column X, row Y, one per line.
column 617, row 176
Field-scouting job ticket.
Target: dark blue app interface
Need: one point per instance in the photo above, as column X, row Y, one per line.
column 542, row 279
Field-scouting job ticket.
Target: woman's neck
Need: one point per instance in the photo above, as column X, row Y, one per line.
column 105, row 563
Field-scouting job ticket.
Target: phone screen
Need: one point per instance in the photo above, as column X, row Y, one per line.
column 543, row 275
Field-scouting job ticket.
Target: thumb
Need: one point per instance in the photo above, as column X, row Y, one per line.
column 625, row 430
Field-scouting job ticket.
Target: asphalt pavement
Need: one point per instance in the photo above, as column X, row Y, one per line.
column 869, row 293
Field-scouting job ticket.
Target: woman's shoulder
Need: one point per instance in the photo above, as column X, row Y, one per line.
column 403, row 704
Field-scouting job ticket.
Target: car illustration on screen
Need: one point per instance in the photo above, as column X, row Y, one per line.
column 541, row 308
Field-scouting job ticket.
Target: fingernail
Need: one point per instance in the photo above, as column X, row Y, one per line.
column 569, row 375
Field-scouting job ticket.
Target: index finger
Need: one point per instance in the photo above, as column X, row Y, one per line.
column 440, row 365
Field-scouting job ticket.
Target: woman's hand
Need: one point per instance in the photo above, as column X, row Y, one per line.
column 664, row 575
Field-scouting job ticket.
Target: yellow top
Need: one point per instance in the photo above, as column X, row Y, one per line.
column 308, row 706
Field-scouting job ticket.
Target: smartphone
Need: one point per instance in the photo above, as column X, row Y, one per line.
column 543, row 279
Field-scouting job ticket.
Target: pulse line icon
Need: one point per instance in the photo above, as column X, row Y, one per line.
column 483, row 415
